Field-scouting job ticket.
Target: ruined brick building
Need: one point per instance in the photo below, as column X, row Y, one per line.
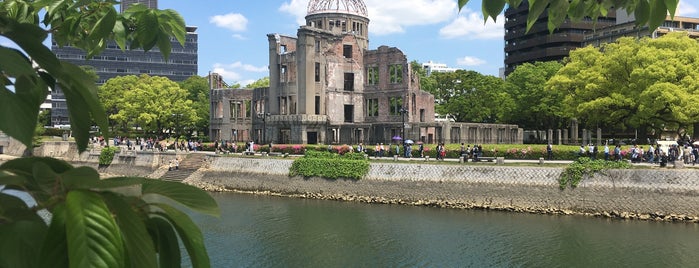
column 327, row 86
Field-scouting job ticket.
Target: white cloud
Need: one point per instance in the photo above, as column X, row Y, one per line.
column 389, row 17
column 470, row 61
column 231, row 21
column 686, row 10
column 231, row 72
column 470, row 25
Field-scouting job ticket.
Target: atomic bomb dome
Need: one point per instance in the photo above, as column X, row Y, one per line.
column 355, row 7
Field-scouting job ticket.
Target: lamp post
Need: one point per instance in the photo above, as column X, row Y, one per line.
column 177, row 125
column 264, row 126
column 403, row 111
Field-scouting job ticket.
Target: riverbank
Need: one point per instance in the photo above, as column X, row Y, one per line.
column 645, row 194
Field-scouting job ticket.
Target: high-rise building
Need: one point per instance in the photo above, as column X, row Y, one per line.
column 112, row 62
column 149, row 3
column 626, row 26
column 541, row 45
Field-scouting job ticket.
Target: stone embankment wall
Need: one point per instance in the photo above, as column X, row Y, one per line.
column 663, row 194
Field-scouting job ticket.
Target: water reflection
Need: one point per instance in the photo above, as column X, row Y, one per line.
column 256, row 231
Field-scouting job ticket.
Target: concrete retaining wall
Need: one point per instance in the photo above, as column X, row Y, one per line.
column 636, row 191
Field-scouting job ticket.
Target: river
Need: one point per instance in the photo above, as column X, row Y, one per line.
column 265, row 231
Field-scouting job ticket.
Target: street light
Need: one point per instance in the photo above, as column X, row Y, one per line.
column 403, row 111
column 177, row 125
column 264, row 126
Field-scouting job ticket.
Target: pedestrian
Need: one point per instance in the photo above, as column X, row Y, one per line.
column 549, row 151
column 606, row 152
column 420, row 149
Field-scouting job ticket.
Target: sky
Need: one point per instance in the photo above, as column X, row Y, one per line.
column 233, row 33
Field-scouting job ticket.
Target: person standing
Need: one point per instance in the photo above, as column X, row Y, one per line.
column 420, row 149
column 549, row 151
column 606, row 152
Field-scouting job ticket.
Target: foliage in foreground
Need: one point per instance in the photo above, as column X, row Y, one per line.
column 584, row 166
column 93, row 222
column 330, row 165
column 71, row 217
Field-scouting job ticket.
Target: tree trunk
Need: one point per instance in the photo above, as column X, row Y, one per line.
column 695, row 132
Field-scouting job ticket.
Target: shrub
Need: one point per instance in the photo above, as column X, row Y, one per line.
column 107, row 155
column 584, row 166
column 330, row 165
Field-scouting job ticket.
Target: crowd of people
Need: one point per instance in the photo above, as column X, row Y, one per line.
column 150, row 144
column 656, row 154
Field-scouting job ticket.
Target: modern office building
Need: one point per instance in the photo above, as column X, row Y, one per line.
column 626, row 26
column 112, row 62
column 327, row 86
column 148, row 3
column 541, row 45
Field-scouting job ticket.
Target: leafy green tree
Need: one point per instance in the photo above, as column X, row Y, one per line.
column 198, row 88
column 651, row 12
column 646, row 84
column 152, row 102
column 262, row 82
column 89, row 221
column 471, row 97
column 534, row 106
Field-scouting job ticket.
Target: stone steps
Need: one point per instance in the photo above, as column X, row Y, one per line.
column 191, row 163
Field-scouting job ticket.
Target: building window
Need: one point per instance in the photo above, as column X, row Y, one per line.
column 349, row 81
column 372, row 74
column 317, row 72
column 395, row 72
column 282, row 73
column 317, row 45
column 349, row 113
column 235, row 109
column 347, row 51
column 395, row 104
column 317, row 105
column 372, row 107
column 282, row 49
column 422, row 115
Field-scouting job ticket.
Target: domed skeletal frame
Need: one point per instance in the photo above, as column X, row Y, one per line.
column 356, row 7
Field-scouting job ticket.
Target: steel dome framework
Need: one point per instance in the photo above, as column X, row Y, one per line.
column 356, row 7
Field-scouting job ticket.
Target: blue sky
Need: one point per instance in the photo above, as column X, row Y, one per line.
column 233, row 42
column 233, row 34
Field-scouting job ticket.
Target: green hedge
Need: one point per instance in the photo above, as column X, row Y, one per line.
column 107, row 155
column 330, row 165
column 575, row 171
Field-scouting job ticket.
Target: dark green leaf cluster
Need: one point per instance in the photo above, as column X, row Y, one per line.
column 330, row 165
column 107, row 155
column 585, row 166
column 650, row 12
column 114, row 222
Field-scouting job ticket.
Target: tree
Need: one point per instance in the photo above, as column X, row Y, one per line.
column 112, row 222
column 534, row 106
column 471, row 97
column 260, row 83
column 198, row 88
column 648, row 84
column 152, row 102
column 651, row 12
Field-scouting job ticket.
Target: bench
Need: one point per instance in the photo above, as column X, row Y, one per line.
column 275, row 154
column 489, row 159
column 249, row 153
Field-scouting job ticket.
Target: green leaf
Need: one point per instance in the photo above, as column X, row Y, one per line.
column 535, row 9
column 25, row 165
column 164, row 45
column 167, row 245
column 672, row 7
column 557, row 13
column 18, row 112
column 462, row 3
column 576, row 10
column 147, row 29
column 642, row 12
column 14, row 209
column 14, row 63
column 94, row 239
column 176, row 24
column 190, row 196
column 139, row 244
column 120, row 34
column 116, row 182
column 26, row 237
column 54, row 250
column 189, row 233
column 44, row 176
column 492, row 8
column 104, row 25
column 658, row 14
column 83, row 104
column 80, row 176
